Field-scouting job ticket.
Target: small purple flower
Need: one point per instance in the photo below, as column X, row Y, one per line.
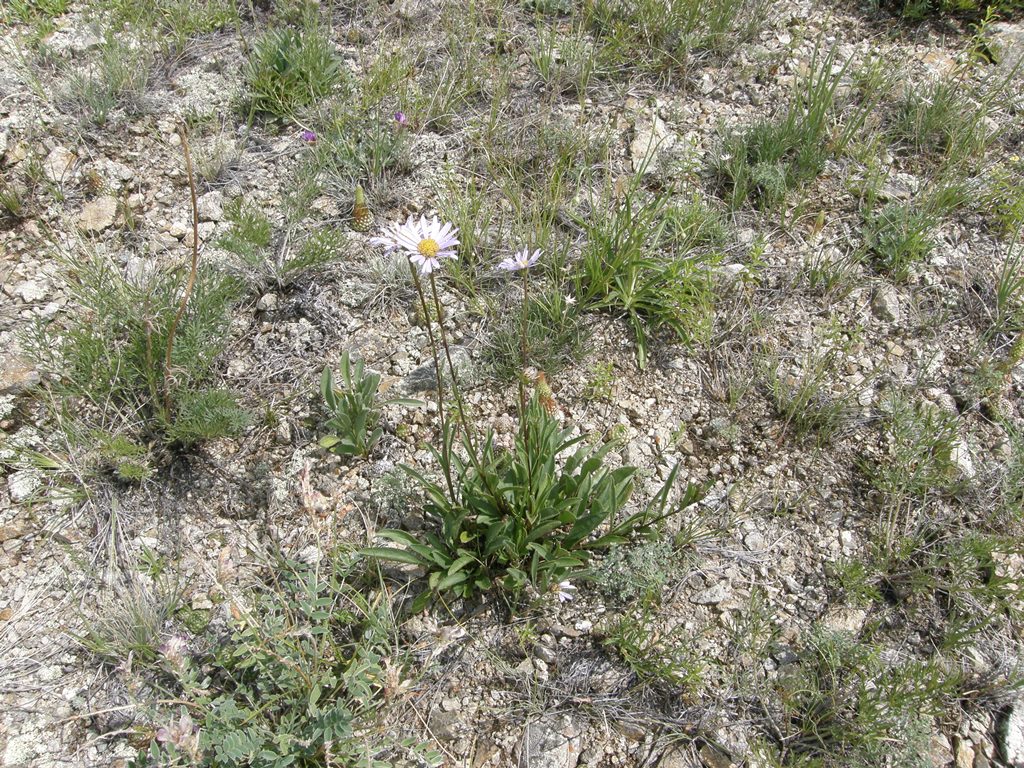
column 183, row 734
column 308, row 135
column 400, row 118
column 522, row 260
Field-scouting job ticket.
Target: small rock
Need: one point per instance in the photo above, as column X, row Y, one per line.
column 886, row 304
column 23, row 484
column 1010, row 735
column 848, row 542
column 84, row 40
column 545, row 654
column 650, row 142
column 550, row 742
column 443, row 725
column 30, row 291
column 99, row 214
column 409, row 10
column 267, row 302
column 845, row 619
column 964, row 755
column 899, row 186
column 17, row 153
column 211, row 206
column 713, row 595
column 178, row 229
column 940, row 750
column 451, row 705
column 1007, row 40
column 714, row 758
column 57, row 164
column 961, row 458
column 16, row 375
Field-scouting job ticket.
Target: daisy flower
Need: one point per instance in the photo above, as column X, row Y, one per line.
column 426, row 241
column 565, row 591
column 522, row 260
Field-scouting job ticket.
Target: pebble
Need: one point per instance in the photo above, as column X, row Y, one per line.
column 99, row 214
column 16, row 375
column 713, row 595
column 886, row 304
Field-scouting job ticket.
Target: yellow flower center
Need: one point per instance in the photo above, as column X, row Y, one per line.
column 428, row 248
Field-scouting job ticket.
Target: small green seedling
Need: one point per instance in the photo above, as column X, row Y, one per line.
column 355, row 423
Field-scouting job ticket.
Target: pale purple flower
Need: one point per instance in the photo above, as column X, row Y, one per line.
column 308, row 135
column 184, row 734
column 565, row 591
column 522, row 260
column 425, row 242
column 175, row 651
column 400, row 118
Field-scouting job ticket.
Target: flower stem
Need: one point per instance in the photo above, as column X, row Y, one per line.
column 193, row 272
column 522, row 338
column 437, row 371
column 524, row 421
column 448, row 355
column 474, row 456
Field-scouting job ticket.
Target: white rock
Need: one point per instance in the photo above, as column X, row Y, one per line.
column 650, row 142
column 211, row 206
column 1008, row 41
column 57, row 164
column 886, row 304
column 713, row 595
column 23, row 484
column 20, row 750
column 1011, row 735
column 99, row 214
column 30, row 291
column 961, row 457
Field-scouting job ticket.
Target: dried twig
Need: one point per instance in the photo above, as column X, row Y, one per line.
column 192, row 273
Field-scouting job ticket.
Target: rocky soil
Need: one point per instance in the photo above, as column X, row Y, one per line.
column 781, row 511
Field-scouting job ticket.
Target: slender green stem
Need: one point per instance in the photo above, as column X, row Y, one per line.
column 474, row 455
column 524, row 421
column 437, row 371
column 448, row 356
column 192, row 274
column 522, row 339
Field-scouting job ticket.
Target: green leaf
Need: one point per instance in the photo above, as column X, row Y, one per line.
column 461, row 563
column 390, row 553
column 451, row 580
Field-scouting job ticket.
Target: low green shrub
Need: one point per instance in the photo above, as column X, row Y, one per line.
column 107, row 361
column 298, row 681
column 289, row 69
column 761, row 163
column 529, row 515
column 845, row 703
column 917, row 10
column 629, row 268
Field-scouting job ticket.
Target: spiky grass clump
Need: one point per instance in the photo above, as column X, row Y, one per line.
column 107, row 359
column 289, row 69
